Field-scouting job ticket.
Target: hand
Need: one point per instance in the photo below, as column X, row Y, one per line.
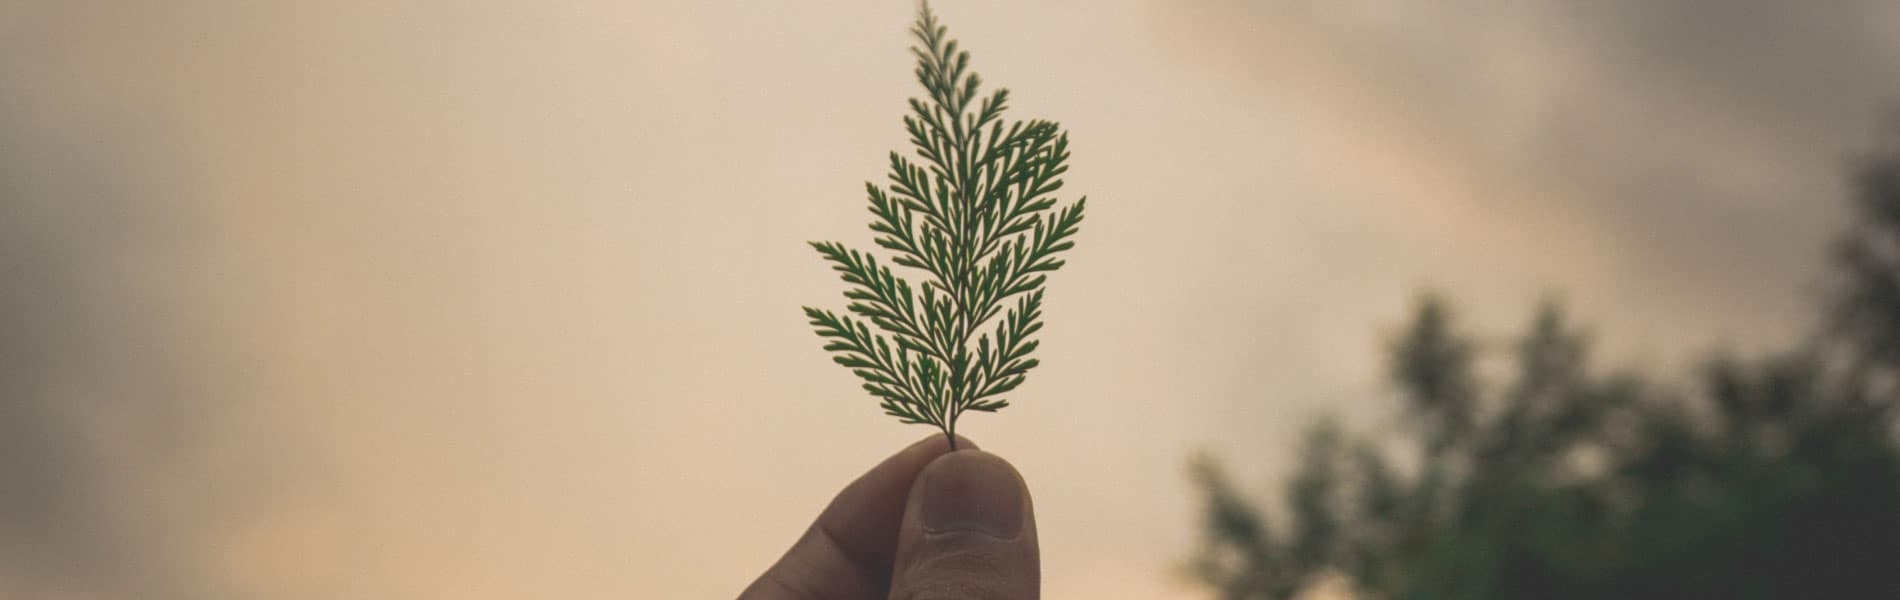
column 925, row 524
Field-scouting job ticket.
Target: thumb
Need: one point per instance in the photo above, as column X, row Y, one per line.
column 969, row 531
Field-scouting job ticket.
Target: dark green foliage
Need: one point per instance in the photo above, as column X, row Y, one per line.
column 1767, row 478
column 978, row 219
column 1434, row 367
column 1869, row 258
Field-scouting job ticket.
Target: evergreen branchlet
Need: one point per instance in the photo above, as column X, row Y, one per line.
column 973, row 214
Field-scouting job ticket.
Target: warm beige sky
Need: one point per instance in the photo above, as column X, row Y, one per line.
column 431, row 299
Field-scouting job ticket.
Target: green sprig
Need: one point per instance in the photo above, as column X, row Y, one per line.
column 974, row 212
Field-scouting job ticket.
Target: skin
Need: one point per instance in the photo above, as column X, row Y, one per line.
column 925, row 524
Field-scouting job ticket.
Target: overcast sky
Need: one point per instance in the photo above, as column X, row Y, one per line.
column 477, row 299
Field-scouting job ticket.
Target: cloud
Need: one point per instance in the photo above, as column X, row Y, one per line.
column 92, row 404
column 116, row 385
column 1694, row 150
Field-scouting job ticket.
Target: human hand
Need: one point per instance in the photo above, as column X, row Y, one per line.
column 925, row 524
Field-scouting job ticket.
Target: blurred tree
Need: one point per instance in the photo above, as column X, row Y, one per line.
column 1776, row 477
column 1868, row 258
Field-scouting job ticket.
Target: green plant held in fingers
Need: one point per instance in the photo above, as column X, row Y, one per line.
column 975, row 217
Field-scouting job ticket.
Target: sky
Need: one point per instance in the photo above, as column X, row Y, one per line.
column 481, row 299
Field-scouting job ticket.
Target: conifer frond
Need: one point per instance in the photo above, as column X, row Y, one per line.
column 973, row 213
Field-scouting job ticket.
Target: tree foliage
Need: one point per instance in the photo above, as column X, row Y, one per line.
column 1774, row 477
column 974, row 213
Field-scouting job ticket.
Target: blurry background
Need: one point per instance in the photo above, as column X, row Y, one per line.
column 476, row 299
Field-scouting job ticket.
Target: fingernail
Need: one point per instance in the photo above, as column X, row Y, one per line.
column 972, row 491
